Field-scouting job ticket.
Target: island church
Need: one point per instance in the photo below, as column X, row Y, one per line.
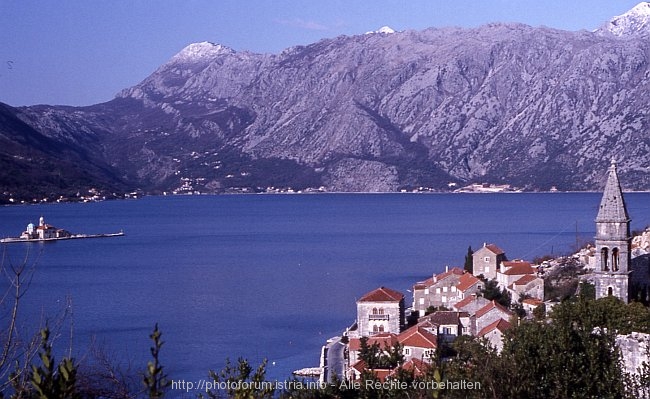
column 616, row 273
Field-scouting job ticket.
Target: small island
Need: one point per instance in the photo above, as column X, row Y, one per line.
column 46, row 232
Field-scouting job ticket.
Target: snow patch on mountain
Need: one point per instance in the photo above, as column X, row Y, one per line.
column 633, row 22
column 383, row 29
column 200, row 50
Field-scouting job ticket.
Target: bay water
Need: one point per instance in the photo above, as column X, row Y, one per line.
column 264, row 276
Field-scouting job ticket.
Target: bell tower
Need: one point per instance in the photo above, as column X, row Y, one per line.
column 613, row 260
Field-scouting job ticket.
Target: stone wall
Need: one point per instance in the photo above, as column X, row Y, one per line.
column 635, row 349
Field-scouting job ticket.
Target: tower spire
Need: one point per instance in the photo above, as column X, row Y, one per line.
column 613, row 252
column 612, row 205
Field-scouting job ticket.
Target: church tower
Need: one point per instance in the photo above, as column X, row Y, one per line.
column 613, row 260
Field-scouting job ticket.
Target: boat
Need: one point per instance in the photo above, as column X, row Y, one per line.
column 45, row 233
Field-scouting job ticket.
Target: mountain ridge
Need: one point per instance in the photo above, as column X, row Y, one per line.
column 502, row 103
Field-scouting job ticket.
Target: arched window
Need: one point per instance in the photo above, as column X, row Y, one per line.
column 615, row 259
column 610, row 291
column 381, row 328
column 375, row 329
column 374, row 311
column 381, row 310
column 604, row 255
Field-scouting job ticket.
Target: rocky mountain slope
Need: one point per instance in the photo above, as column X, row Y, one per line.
column 503, row 103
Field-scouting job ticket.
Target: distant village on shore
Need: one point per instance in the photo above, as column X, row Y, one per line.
column 490, row 294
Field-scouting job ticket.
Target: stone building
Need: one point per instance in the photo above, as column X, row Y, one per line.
column 439, row 290
column 380, row 311
column 486, row 261
column 489, row 314
column 613, row 257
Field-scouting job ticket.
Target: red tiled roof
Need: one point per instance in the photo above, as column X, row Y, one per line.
column 454, row 270
column 466, row 281
column 462, row 303
column 417, row 366
column 423, row 284
column 382, row 294
column 476, row 302
column 528, row 278
column 500, row 325
column 384, row 340
column 495, row 250
column 359, row 366
column 490, row 306
column 518, row 268
column 380, row 373
column 417, row 336
column 533, row 301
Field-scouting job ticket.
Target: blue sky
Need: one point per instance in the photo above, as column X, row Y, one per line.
column 82, row 52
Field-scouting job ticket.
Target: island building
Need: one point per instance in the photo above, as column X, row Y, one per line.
column 43, row 231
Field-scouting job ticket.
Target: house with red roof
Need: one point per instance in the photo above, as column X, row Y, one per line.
column 468, row 285
column 530, row 304
column 494, row 332
column 520, row 279
column 439, row 290
column 354, row 372
column 489, row 314
column 486, row 260
column 511, row 271
column 385, row 341
column 418, row 343
column 447, row 325
column 415, row 366
column 380, row 311
column 528, row 285
column 471, row 304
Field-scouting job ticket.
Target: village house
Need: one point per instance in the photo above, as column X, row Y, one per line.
column 486, row 261
column 380, row 311
column 489, row 314
column 530, row 304
column 418, row 343
column 511, row 271
column 444, row 290
column 447, row 325
column 494, row 333
column 471, row 304
column 418, row 347
column 439, row 290
column 527, row 286
column 385, row 341
column 468, row 285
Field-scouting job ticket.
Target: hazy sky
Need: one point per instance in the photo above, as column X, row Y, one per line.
column 82, row 52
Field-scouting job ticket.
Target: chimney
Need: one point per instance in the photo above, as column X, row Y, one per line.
column 446, row 268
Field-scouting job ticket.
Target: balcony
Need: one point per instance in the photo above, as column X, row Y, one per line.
column 378, row 317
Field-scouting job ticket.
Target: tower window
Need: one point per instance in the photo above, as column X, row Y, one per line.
column 615, row 259
column 604, row 255
column 610, row 291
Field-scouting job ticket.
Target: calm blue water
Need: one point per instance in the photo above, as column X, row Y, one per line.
column 267, row 276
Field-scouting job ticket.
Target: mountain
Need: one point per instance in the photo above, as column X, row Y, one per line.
column 382, row 111
column 634, row 22
column 33, row 165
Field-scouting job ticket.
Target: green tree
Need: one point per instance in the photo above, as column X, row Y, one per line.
column 469, row 260
column 491, row 291
column 242, row 382
column 155, row 379
column 50, row 380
